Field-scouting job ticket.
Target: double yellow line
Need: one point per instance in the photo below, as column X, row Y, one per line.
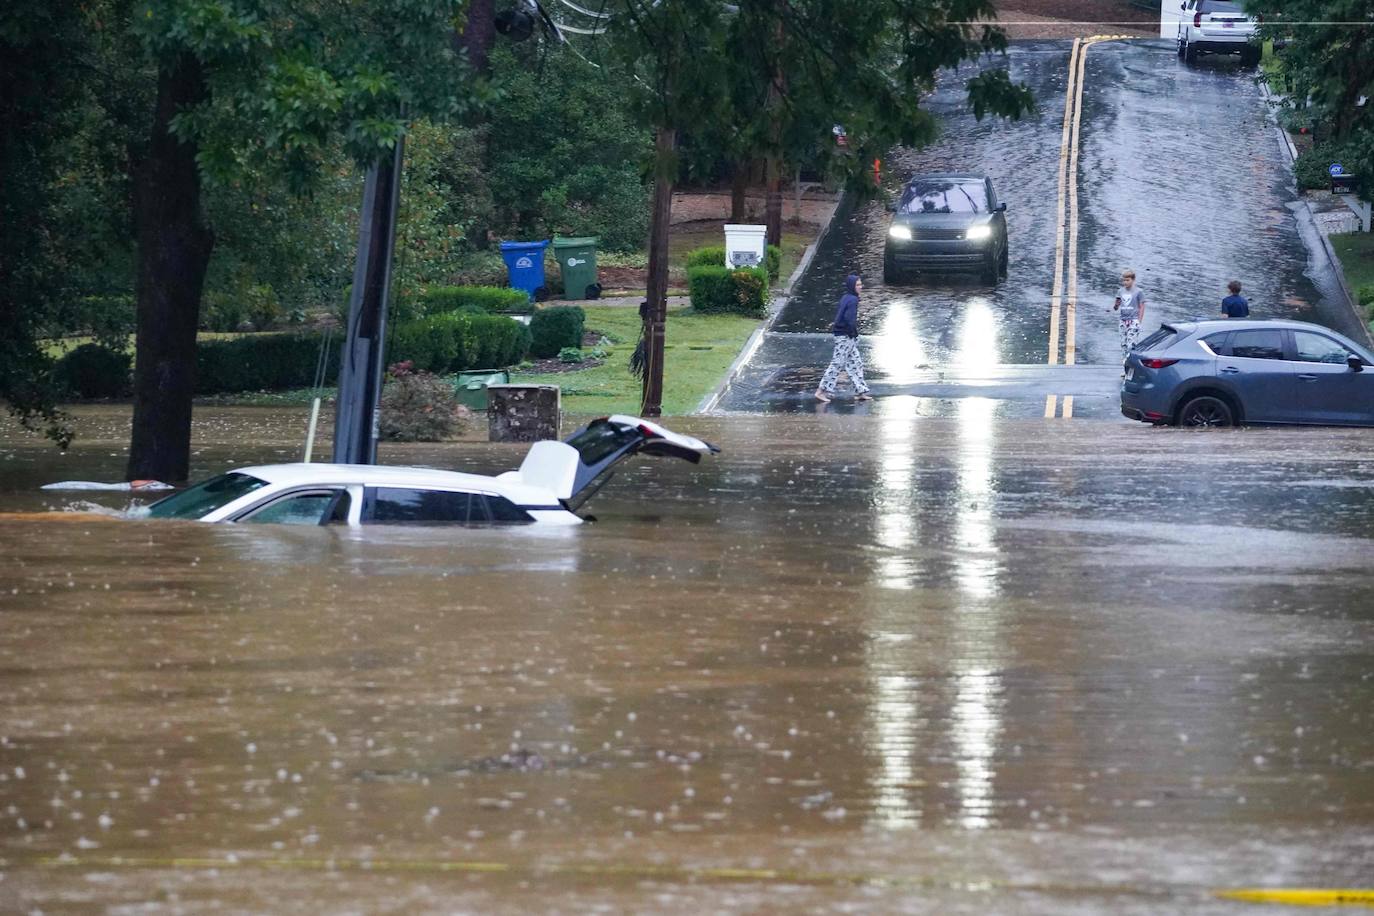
column 1063, row 308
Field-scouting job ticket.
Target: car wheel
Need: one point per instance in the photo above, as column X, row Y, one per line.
column 890, row 272
column 1178, row 45
column 1250, row 57
column 1206, row 412
column 992, row 271
column 1189, row 52
column 1006, row 261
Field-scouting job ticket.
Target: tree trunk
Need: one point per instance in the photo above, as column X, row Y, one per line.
column 174, row 245
column 739, row 191
column 773, row 213
column 656, row 315
column 479, row 33
column 773, row 178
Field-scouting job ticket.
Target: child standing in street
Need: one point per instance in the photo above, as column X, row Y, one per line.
column 1130, row 304
column 846, row 358
column 1235, row 305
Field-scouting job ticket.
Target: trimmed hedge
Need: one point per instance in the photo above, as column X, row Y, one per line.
column 261, row 362
column 714, row 256
column 552, row 329
column 94, row 371
column 736, row 292
column 439, row 299
column 439, row 344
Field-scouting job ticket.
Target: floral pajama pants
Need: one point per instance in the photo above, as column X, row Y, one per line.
column 847, row 360
column 1130, row 333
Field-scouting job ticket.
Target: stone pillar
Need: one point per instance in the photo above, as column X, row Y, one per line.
column 523, row 413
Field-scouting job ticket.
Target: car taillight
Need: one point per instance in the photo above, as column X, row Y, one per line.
column 1157, row 363
column 647, row 432
column 1197, row 20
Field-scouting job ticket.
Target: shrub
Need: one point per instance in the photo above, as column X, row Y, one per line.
column 419, row 406
column 1312, row 167
column 262, row 362
column 439, row 299
column 552, row 329
column 570, row 355
column 441, row 343
column 714, row 256
column 108, row 319
column 261, row 307
column 708, row 256
column 737, row 292
column 94, row 371
column 1365, row 294
column 459, row 341
column 224, row 312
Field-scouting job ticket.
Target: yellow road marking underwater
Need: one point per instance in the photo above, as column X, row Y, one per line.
column 1300, row 896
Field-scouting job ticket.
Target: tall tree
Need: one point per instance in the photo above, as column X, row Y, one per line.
column 43, row 50
column 257, row 82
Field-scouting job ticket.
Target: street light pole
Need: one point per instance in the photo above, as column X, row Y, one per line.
column 362, row 361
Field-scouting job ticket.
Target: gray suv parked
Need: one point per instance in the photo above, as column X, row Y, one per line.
column 1225, row 373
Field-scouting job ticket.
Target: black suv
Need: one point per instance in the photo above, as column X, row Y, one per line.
column 947, row 222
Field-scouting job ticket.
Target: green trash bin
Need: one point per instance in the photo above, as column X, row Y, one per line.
column 577, row 262
column 471, row 387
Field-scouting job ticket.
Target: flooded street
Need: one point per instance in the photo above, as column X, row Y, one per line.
column 933, row 665
column 1181, row 176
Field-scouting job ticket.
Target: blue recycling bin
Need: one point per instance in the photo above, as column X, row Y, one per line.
column 525, row 267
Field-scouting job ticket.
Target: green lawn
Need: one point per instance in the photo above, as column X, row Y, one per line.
column 699, row 350
column 1356, row 251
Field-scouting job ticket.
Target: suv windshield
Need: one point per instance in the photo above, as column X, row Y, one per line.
column 206, row 497
column 938, row 195
column 1219, row 6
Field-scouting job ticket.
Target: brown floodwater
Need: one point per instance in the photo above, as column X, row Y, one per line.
column 960, row 665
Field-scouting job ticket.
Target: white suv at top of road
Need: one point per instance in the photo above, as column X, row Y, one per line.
column 1217, row 27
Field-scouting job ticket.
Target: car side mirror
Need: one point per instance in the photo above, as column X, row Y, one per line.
column 1002, row 208
column 1355, row 363
column 1183, row 6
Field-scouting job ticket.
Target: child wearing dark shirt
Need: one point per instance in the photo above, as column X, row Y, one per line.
column 1235, row 305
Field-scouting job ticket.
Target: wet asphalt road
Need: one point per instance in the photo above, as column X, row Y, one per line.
column 1181, row 176
column 951, row 665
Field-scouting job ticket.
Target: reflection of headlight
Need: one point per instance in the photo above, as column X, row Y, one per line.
column 900, row 232
column 975, row 233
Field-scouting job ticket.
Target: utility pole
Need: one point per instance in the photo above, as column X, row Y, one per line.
column 656, row 303
column 773, row 201
column 364, row 348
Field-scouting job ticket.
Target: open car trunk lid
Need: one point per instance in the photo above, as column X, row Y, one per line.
column 576, row 468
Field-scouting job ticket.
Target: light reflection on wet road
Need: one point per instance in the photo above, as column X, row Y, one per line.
column 992, row 666
column 1181, row 177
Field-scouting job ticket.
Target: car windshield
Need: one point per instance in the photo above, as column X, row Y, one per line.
column 1219, row 6
column 939, row 195
column 206, row 497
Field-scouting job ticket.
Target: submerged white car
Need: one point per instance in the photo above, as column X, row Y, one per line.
column 552, row 484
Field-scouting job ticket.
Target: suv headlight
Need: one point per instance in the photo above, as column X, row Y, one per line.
column 978, row 233
column 900, row 232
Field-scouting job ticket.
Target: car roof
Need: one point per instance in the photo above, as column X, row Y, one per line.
column 961, row 176
column 1228, row 324
column 301, row 474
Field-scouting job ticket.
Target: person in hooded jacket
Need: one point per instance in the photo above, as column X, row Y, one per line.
column 846, row 358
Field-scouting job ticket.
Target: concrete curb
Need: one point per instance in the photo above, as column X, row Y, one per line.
column 1361, row 320
column 708, row 403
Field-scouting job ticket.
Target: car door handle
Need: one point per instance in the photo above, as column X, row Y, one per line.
column 1307, row 377
column 1230, row 370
